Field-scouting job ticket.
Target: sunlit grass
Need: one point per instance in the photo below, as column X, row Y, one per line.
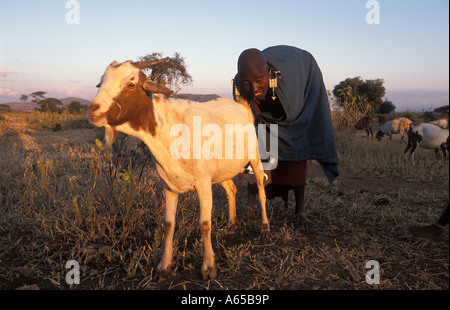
column 386, row 158
column 65, row 198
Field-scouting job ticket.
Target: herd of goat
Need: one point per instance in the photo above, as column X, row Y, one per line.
column 128, row 101
column 433, row 135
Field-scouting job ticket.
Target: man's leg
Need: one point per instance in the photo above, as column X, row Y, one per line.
column 300, row 213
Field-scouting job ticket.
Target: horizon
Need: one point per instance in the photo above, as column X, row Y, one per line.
column 407, row 47
column 421, row 102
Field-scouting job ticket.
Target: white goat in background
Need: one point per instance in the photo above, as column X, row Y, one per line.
column 427, row 136
column 443, row 123
column 395, row 126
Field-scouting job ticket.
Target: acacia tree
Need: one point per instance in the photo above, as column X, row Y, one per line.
column 370, row 91
column 50, row 105
column 38, row 96
column 23, row 98
column 172, row 73
column 350, row 108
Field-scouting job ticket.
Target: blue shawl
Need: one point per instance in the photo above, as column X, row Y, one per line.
column 306, row 131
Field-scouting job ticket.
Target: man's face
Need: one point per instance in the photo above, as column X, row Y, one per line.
column 255, row 79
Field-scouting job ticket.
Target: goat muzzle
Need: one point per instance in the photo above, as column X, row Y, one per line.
column 93, row 115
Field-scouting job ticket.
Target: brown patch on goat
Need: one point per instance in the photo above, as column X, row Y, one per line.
column 168, row 227
column 135, row 106
column 205, row 227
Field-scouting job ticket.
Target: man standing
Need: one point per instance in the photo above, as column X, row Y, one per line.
column 284, row 86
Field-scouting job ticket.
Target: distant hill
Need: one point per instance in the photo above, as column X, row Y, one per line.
column 67, row 101
column 197, row 97
column 28, row 106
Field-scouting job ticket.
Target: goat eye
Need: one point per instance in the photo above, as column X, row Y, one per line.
column 131, row 85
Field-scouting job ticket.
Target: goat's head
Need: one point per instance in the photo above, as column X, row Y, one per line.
column 124, row 96
column 379, row 135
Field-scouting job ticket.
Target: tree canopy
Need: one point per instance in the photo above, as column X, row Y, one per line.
column 386, row 107
column 173, row 73
column 75, row 107
column 369, row 91
column 50, row 104
column 37, row 96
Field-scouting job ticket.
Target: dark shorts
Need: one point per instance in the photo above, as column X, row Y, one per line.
column 290, row 173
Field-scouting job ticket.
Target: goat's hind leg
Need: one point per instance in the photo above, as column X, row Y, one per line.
column 259, row 176
column 204, row 192
column 230, row 188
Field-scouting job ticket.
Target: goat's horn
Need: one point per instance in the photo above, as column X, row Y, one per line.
column 148, row 64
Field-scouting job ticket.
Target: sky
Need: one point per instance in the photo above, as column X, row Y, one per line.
column 44, row 47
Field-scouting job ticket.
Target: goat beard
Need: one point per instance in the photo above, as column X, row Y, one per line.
column 110, row 135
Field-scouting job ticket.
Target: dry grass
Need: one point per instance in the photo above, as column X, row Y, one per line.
column 62, row 199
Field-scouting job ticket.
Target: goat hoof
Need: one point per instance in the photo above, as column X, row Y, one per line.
column 265, row 231
column 162, row 274
column 232, row 227
column 209, row 271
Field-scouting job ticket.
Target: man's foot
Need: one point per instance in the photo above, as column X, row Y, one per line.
column 431, row 232
column 303, row 222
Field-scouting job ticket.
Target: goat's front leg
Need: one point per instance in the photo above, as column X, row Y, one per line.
column 164, row 269
column 204, row 192
column 259, row 176
column 230, row 188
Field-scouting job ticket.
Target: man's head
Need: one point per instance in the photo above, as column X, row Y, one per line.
column 253, row 73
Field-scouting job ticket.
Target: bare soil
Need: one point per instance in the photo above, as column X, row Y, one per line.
column 360, row 217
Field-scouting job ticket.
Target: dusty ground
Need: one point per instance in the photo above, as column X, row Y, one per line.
column 359, row 181
column 359, row 218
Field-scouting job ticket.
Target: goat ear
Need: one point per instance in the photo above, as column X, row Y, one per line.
column 155, row 88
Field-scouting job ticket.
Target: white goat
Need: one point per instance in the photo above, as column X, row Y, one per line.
column 398, row 125
column 124, row 103
column 443, row 123
column 427, row 136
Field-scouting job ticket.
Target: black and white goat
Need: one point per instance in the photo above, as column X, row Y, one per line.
column 427, row 136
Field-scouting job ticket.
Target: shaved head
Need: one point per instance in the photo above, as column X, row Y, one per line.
column 253, row 73
column 251, row 58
